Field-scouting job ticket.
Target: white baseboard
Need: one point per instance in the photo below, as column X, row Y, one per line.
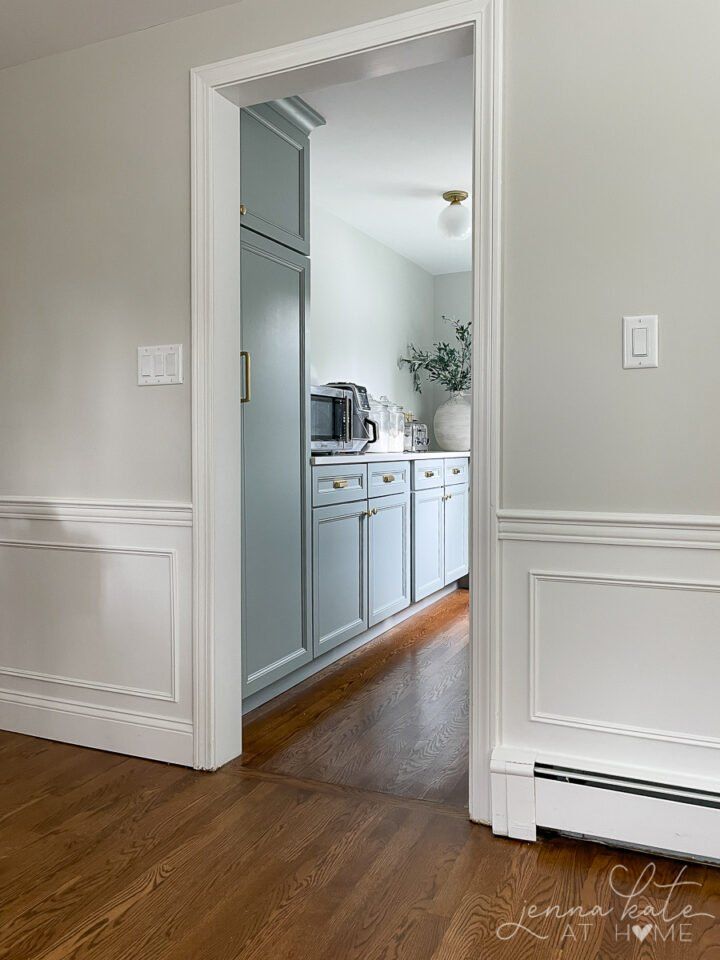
column 155, row 738
column 332, row 656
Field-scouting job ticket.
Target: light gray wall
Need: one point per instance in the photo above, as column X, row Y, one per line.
column 453, row 298
column 367, row 303
column 612, row 152
column 95, row 247
column 611, row 158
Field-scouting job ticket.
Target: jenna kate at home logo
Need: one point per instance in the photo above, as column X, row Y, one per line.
column 646, row 910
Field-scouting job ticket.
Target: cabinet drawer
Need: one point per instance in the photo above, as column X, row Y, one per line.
column 457, row 471
column 387, row 478
column 341, row 484
column 427, row 474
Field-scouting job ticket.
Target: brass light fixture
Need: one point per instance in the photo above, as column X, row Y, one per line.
column 455, row 220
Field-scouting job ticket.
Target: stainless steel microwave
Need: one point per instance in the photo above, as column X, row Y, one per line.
column 339, row 419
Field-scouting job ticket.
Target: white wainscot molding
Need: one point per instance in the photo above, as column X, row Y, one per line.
column 95, row 636
column 608, row 646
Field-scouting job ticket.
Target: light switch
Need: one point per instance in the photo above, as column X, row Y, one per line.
column 640, row 342
column 160, row 365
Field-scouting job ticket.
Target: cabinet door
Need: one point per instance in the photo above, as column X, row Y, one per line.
column 274, row 176
column 275, row 469
column 428, row 542
column 457, row 533
column 340, row 557
column 388, row 556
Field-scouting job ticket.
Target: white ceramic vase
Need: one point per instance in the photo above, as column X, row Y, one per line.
column 452, row 423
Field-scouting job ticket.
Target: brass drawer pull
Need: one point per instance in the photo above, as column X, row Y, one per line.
column 243, row 209
column 389, row 478
column 369, row 513
column 340, row 484
column 429, row 473
column 456, row 470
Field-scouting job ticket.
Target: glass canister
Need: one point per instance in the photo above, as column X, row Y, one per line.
column 380, row 413
column 396, row 427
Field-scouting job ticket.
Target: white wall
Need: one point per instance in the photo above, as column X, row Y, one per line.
column 610, row 207
column 452, row 297
column 95, row 260
column 367, row 303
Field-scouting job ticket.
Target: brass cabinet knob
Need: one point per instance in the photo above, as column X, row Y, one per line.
column 429, row 473
column 389, row 478
column 243, row 209
column 456, row 470
column 373, row 512
column 449, row 496
column 340, row 484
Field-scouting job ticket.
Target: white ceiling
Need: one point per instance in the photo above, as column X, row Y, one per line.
column 391, row 147
column 36, row 28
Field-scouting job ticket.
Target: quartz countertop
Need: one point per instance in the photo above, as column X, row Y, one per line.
column 328, row 460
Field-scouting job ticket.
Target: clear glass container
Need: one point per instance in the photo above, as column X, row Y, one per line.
column 396, row 428
column 380, row 413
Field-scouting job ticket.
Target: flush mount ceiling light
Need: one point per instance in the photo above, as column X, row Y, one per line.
column 455, row 220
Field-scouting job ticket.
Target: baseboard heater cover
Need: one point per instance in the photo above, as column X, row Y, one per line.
column 628, row 811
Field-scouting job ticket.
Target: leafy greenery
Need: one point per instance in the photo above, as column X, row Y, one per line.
column 445, row 364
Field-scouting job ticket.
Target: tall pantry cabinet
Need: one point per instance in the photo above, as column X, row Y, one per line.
column 274, row 299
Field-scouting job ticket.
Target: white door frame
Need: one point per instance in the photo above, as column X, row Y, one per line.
column 210, row 648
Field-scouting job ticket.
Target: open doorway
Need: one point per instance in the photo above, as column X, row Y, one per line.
column 433, row 35
column 356, row 268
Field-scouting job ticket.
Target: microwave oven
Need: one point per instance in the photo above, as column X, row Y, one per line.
column 339, row 419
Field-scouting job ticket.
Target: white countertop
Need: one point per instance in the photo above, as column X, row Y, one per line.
column 328, row 460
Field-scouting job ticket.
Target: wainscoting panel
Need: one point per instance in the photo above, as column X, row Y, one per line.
column 610, row 643
column 95, row 632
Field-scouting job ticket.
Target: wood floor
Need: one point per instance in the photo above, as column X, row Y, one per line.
column 104, row 857
column 108, row 858
column 392, row 717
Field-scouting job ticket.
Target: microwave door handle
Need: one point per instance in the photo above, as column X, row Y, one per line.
column 348, row 420
column 373, row 427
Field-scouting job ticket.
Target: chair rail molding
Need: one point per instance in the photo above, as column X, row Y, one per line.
column 214, row 714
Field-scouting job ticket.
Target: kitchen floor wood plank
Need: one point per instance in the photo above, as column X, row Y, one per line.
column 393, row 719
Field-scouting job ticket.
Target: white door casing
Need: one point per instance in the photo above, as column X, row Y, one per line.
column 215, row 428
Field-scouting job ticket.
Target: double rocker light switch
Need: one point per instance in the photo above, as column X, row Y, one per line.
column 640, row 342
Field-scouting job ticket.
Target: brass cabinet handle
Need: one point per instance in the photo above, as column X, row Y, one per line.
column 449, row 497
column 456, row 470
column 368, row 513
column 246, row 359
column 429, row 473
column 373, row 512
column 243, row 209
column 340, row 484
column 389, row 478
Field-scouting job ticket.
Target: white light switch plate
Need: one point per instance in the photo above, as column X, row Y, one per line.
column 159, row 365
column 640, row 342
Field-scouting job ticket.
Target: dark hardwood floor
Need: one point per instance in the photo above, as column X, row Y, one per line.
column 391, row 717
column 108, row 858
column 104, row 857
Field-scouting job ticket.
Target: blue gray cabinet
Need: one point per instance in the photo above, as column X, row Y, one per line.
column 428, row 542
column 275, row 170
column 456, row 533
column 388, row 556
column 276, row 544
column 340, row 561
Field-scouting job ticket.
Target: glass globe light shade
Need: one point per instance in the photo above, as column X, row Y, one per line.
column 455, row 221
